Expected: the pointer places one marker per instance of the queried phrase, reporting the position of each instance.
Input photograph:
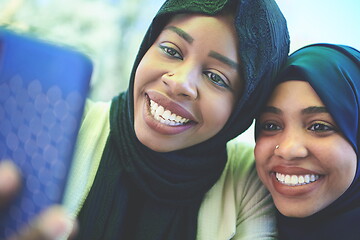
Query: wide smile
(292, 181)
(296, 180)
(165, 116)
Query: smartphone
(43, 87)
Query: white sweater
(236, 207)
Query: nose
(182, 84)
(291, 146)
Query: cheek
(341, 160)
(264, 148)
(263, 152)
(138, 83)
(261, 155)
(141, 75)
(216, 110)
(148, 69)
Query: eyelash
(213, 77)
(270, 127)
(171, 52)
(317, 127)
(320, 127)
(216, 79)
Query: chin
(158, 148)
(155, 145)
(296, 212)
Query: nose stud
(277, 146)
(170, 74)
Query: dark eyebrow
(314, 109)
(270, 109)
(181, 33)
(308, 110)
(224, 59)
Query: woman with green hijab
(206, 64)
(154, 163)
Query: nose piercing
(170, 74)
(277, 146)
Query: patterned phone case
(42, 93)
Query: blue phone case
(43, 88)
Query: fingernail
(56, 223)
(9, 177)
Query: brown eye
(215, 78)
(171, 52)
(270, 127)
(320, 127)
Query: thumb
(52, 224)
(10, 181)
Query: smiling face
(313, 164)
(187, 83)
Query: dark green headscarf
(142, 194)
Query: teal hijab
(333, 71)
(142, 194)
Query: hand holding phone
(43, 88)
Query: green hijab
(142, 194)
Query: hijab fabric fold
(334, 73)
(142, 194)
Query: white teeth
(287, 179)
(165, 116)
(312, 178)
(296, 180)
(172, 117)
(301, 179)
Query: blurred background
(110, 31)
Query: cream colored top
(236, 207)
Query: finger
(74, 230)
(50, 225)
(10, 181)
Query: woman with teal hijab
(326, 205)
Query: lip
(171, 106)
(293, 170)
(294, 191)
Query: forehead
(199, 24)
(294, 93)
(213, 35)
